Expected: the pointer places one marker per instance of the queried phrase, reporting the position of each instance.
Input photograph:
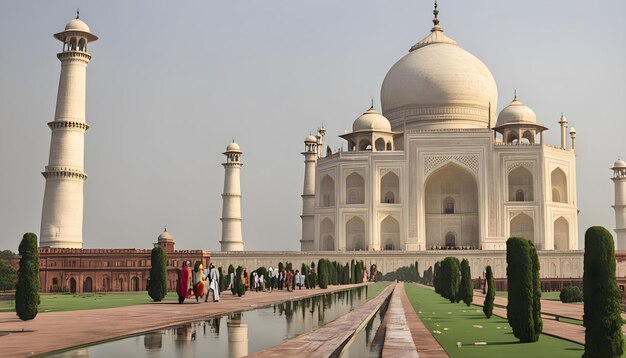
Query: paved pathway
(327, 340)
(427, 346)
(58, 330)
(398, 338)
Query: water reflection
(234, 335)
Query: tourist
(270, 279)
(184, 283)
(246, 279)
(289, 280)
(199, 281)
(298, 283)
(233, 288)
(261, 283)
(214, 285)
(281, 279)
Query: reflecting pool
(232, 335)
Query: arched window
(559, 186)
(134, 284)
(380, 144)
(327, 192)
(365, 144)
(72, 285)
(355, 189)
(82, 45)
(327, 235)
(529, 137)
(390, 233)
(448, 205)
(73, 44)
(355, 235)
(520, 179)
(388, 145)
(88, 285)
(522, 225)
(561, 234)
(450, 240)
(55, 281)
(511, 138)
(390, 188)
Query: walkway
(59, 330)
(329, 339)
(398, 338)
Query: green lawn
(375, 288)
(60, 302)
(459, 323)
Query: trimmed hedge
(157, 281)
(27, 287)
(571, 294)
(491, 293)
(466, 288)
(602, 320)
(450, 278)
(521, 302)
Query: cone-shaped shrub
(157, 282)
(466, 288)
(519, 272)
(27, 287)
(491, 293)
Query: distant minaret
(62, 214)
(231, 200)
(619, 181)
(308, 194)
(563, 123)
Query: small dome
(310, 139)
(516, 113)
(165, 236)
(619, 164)
(233, 147)
(77, 25)
(371, 121)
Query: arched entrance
(72, 285)
(561, 234)
(355, 234)
(522, 225)
(327, 235)
(134, 284)
(451, 206)
(390, 233)
(88, 285)
(450, 240)
(106, 284)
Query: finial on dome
(165, 230)
(515, 94)
(436, 19)
(372, 105)
(77, 13)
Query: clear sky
(171, 83)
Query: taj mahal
(439, 169)
(436, 169)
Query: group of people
(285, 279)
(194, 282)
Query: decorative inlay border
(514, 165)
(433, 162)
(52, 172)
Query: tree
(450, 278)
(466, 288)
(520, 277)
(437, 277)
(223, 284)
(7, 255)
(8, 276)
(27, 287)
(491, 293)
(322, 271)
(602, 321)
(240, 285)
(537, 320)
(157, 281)
(571, 294)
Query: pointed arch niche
(355, 189)
(327, 191)
(390, 234)
(558, 179)
(390, 188)
(520, 185)
(561, 234)
(522, 225)
(451, 184)
(327, 235)
(355, 234)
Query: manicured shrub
(322, 272)
(437, 277)
(450, 278)
(8, 276)
(223, 284)
(571, 294)
(466, 288)
(27, 287)
(240, 284)
(536, 281)
(520, 277)
(602, 320)
(157, 282)
(491, 293)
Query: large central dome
(439, 85)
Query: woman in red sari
(184, 282)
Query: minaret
(231, 200)
(619, 181)
(62, 214)
(563, 123)
(308, 194)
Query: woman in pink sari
(184, 282)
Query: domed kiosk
(436, 171)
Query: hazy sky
(171, 83)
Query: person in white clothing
(215, 284)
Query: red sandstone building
(109, 270)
